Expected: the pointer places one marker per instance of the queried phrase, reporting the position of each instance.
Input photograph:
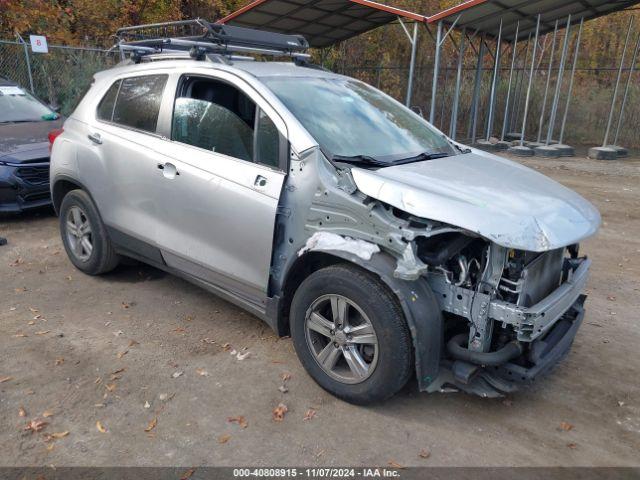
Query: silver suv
(332, 212)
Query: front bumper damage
(23, 186)
(545, 332)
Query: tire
(387, 365)
(101, 258)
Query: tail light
(53, 134)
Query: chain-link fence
(59, 77)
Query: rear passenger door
(124, 138)
(220, 191)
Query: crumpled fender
(421, 310)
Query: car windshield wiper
(421, 157)
(359, 159)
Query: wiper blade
(359, 159)
(421, 157)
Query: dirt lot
(62, 334)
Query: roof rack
(199, 37)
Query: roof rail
(200, 37)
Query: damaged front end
(487, 312)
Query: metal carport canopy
(321, 22)
(485, 15)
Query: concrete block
(547, 151)
(603, 153)
(521, 151)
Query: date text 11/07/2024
(316, 472)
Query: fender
(421, 310)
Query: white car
(326, 208)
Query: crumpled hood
(21, 142)
(498, 199)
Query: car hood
(21, 142)
(498, 199)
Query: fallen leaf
(125, 305)
(226, 346)
(242, 356)
(285, 376)
(118, 333)
(36, 425)
(31, 322)
(55, 436)
(59, 361)
(283, 389)
(240, 420)
(34, 310)
(5, 379)
(147, 405)
(110, 386)
(50, 447)
(133, 343)
(43, 332)
(279, 412)
(97, 380)
(120, 370)
(186, 475)
(179, 330)
(22, 412)
(224, 439)
(20, 335)
(424, 453)
(122, 354)
(571, 445)
(310, 414)
(566, 426)
(177, 374)
(611, 298)
(47, 414)
(394, 464)
(152, 425)
(100, 427)
(202, 372)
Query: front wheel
(84, 235)
(350, 334)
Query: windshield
(349, 118)
(16, 105)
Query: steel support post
(626, 90)
(456, 98)
(548, 83)
(476, 92)
(573, 75)
(615, 90)
(556, 97)
(515, 109)
(494, 83)
(514, 47)
(533, 64)
(412, 64)
(436, 67)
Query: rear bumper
(24, 186)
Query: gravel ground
(148, 359)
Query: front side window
(349, 118)
(137, 104)
(220, 118)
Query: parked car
(334, 213)
(25, 123)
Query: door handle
(95, 138)
(260, 182)
(169, 170)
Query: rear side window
(138, 102)
(105, 108)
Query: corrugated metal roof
(485, 15)
(321, 22)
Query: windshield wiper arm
(421, 157)
(359, 159)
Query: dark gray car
(25, 123)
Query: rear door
(124, 140)
(221, 187)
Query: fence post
(26, 57)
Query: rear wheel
(350, 334)
(84, 236)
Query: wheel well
(60, 189)
(301, 269)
